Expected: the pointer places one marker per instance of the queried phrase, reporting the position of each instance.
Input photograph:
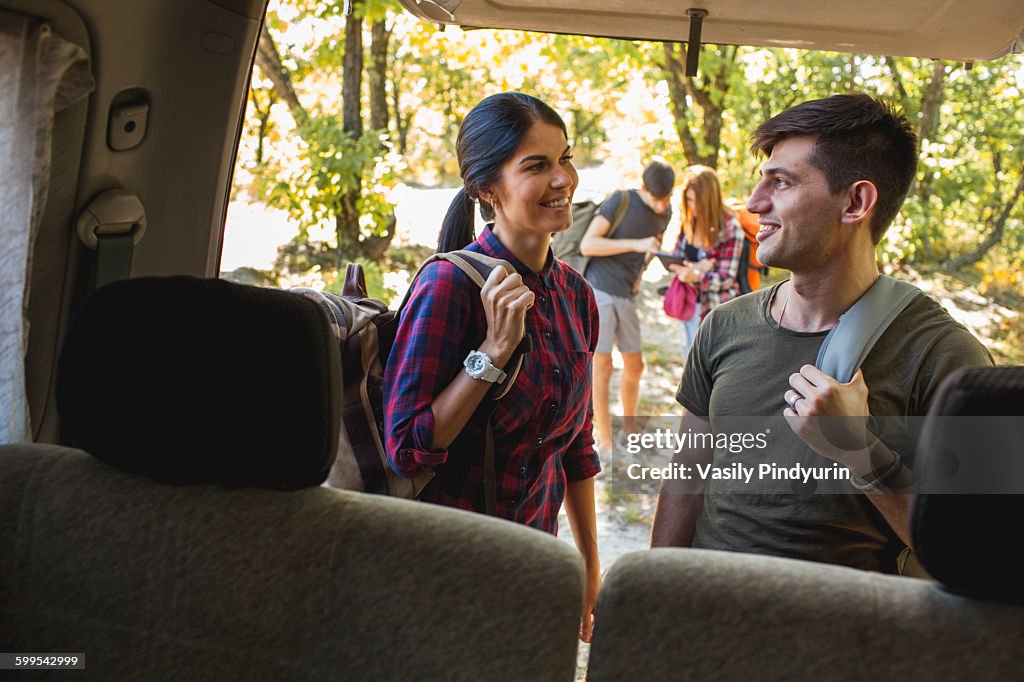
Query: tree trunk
(402, 122)
(927, 125)
(374, 246)
(352, 74)
(347, 215)
(377, 76)
(677, 95)
(710, 98)
(264, 118)
(931, 103)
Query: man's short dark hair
(659, 178)
(858, 137)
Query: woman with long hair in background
(711, 242)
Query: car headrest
(190, 380)
(964, 540)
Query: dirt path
(624, 520)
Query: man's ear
(862, 198)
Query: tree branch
(268, 59)
(994, 237)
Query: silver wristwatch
(479, 366)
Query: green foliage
(334, 164)
(616, 98)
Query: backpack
(566, 245)
(751, 269)
(365, 329)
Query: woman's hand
(506, 299)
(705, 265)
(686, 273)
(590, 591)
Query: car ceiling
(967, 30)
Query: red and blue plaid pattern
(542, 427)
(722, 282)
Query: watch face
(475, 363)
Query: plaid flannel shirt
(722, 282)
(542, 428)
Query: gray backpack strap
(860, 327)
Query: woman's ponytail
(457, 229)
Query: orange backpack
(751, 269)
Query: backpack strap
(859, 328)
(355, 282)
(478, 268)
(620, 211)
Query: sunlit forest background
(342, 110)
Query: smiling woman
(513, 158)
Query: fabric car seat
(693, 614)
(182, 531)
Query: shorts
(620, 324)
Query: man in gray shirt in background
(614, 272)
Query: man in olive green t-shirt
(837, 172)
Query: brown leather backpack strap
(355, 282)
(478, 268)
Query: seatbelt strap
(859, 328)
(113, 257)
(112, 224)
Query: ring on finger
(794, 399)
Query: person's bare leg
(602, 415)
(629, 391)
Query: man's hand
(831, 417)
(647, 245)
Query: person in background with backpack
(751, 269)
(616, 264)
(836, 173)
(711, 240)
(454, 340)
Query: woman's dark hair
(489, 135)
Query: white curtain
(40, 74)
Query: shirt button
(540, 441)
(557, 372)
(547, 335)
(405, 455)
(543, 300)
(554, 405)
(522, 470)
